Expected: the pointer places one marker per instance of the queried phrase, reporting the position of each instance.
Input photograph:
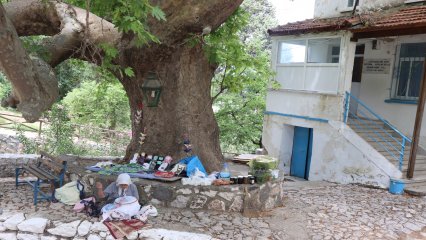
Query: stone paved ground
(323, 211)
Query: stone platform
(251, 200)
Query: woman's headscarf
(123, 178)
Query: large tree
(183, 69)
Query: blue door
(302, 152)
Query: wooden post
(417, 125)
(39, 129)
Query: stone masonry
(251, 200)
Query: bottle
(224, 173)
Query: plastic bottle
(224, 173)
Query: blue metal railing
(384, 134)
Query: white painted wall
(335, 8)
(286, 149)
(305, 104)
(375, 88)
(338, 153)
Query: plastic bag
(197, 173)
(192, 163)
(197, 181)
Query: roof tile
(391, 19)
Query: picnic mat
(132, 170)
(153, 177)
(117, 169)
(123, 228)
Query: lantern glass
(151, 89)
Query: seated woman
(123, 186)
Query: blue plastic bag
(192, 163)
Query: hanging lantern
(151, 89)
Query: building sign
(376, 66)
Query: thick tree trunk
(184, 108)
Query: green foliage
(129, 16)
(56, 139)
(30, 146)
(33, 44)
(102, 105)
(72, 72)
(5, 87)
(59, 134)
(110, 53)
(240, 48)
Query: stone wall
(8, 163)
(9, 144)
(76, 165)
(251, 200)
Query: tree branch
(221, 86)
(34, 84)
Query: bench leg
(61, 179)
(17, 172)
(36, 189)
(52, 198)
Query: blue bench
(48, 170)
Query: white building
(350, 80)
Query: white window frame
(395, 78)
(346, 7)
(306, 64)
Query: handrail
(378, 133)
(377, 116)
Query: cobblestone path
(320, 212)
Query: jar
(252, 179)
(240, 179)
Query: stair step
(368, 125)
(419, 190)
(416, 168)
(368, 129)
(405, 163)
(419, 173)
(414, 180)
(406, 156)
(391, 149)
(381, 137)
(415, 184)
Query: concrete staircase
(381, 137)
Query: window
(321, 50)
(351, 3)
(409, 71)
(292, 51)
(324, 50)
(309, 64)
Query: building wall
(313, 104)
(338, 153)
(375, 88)
(334, 8)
